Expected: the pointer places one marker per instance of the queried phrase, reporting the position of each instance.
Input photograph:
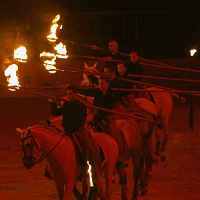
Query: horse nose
(28, 164)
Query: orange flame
(192, 52)
(11, 74)
(52, 36)
(20, 54)
(90, 173)
(61, 50)
(49, 63)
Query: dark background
(158, 29)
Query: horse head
(93, 69)
(28, 145)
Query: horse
(63, 166)
(139, 135)
(164, 107)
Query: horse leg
(137, 163)
(76, 192)
(68, 189)
(123, 179)
(164, 140)
(157, 148)
(60, 189)
(145, 174)
(99, 184)
(108, 170)
(85, 187)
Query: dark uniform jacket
(134, 68)
(74, 115)
(104, 101)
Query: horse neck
(45, 138)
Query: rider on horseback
(105, 98)
(74, 115)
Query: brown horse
(63, 166)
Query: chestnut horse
(60, 153)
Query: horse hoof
(144, 191)
(163, 158)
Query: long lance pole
(152, 85)
(62, 87)
(87, 104)
(171, 67)
(165, 78)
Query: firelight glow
(50, 61)
(11, 74)
(192, 52)
(52, 36)
(90, 173)
(20, 54)
(61, 50)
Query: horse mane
(49, 128)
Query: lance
(152, 85)
(62, 87)
(171, 67)
(52, 97)
(164, 78)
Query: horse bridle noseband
(33, 142)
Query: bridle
(33, 144)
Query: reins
(42, 157)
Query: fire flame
(192, 52)
(20, 54)
(52, 36)
(61, 50)
(50, 61)
(90, 173)
(11, 74)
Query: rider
(74, 115)
(105, 98)
(128, 96)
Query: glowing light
(20, 54)
(61, 50)
(192, 52)
(49, 62)
(11, 74)
(90, 173)
(52, 36)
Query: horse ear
(19, 130)
(86, 65)
(94, 66)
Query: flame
(61, 50)
(20, 54)
(11, 74)
(52, 36)
(192, 52)
(90, 173)
(50, 61)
